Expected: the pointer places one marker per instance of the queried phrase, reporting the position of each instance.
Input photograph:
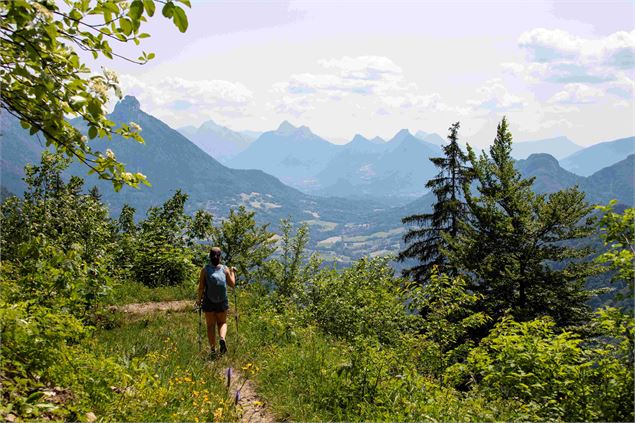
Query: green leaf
(92, 132)
(136, 9)
(35, 396)
(180, 19)
(186, 2)
(149, 6)
(94, 108)
(168, 10)
(126, 26)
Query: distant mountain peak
(545, 159)
(359, 138)
(402, 133)
(285, 126)
(127, 105)
(210, 124)
(378, 140)
(304, 131)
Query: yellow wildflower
(218, 414)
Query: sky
(564, 68)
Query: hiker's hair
(214, 251)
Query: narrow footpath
(253, 408)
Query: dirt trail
(145, 308)
(253, 407)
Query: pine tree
(426, 241)
(514, 245)
(126, 223)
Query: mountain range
(342, 228)
(591, 159)
(173, 162)
(294, 155)
(218, 141)
(361, 168)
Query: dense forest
(489, 321)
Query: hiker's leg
(221, 321)
(210, 320)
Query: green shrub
(557, 373)
(363, 300)
(158, 263)
(446, 321)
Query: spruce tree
(426, 238)
(515, 247)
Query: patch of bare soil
(254, 409)
(145, 308)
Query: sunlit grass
(135, 292)
(182, 384)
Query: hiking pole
(236, 303)
(200, 324)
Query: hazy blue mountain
(558, 147)
(613, 182)
(216, 140)
(172, 162)
(431, 137)
(294, 155)
(17, 148)
(361, 144)
(550, 177)
(189, 131)
(591, 159)
(250, 135)
(397, 168)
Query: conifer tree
(514, 245)
(126, 223)
(426, 240)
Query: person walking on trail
(212, 297)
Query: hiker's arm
(231, 276)
(201, 286)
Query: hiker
(212, 297)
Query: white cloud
(363, 75)
(558, 56)
(553, 45)
(409, 100)
(494, 97)
(576, 94)
(376, 78)
(363, 67)
(200, 100)
(623, 87)
(295, 106)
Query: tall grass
(172, 380)
(135, 292)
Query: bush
(557, 373)
(363, 300)
(158, 263)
